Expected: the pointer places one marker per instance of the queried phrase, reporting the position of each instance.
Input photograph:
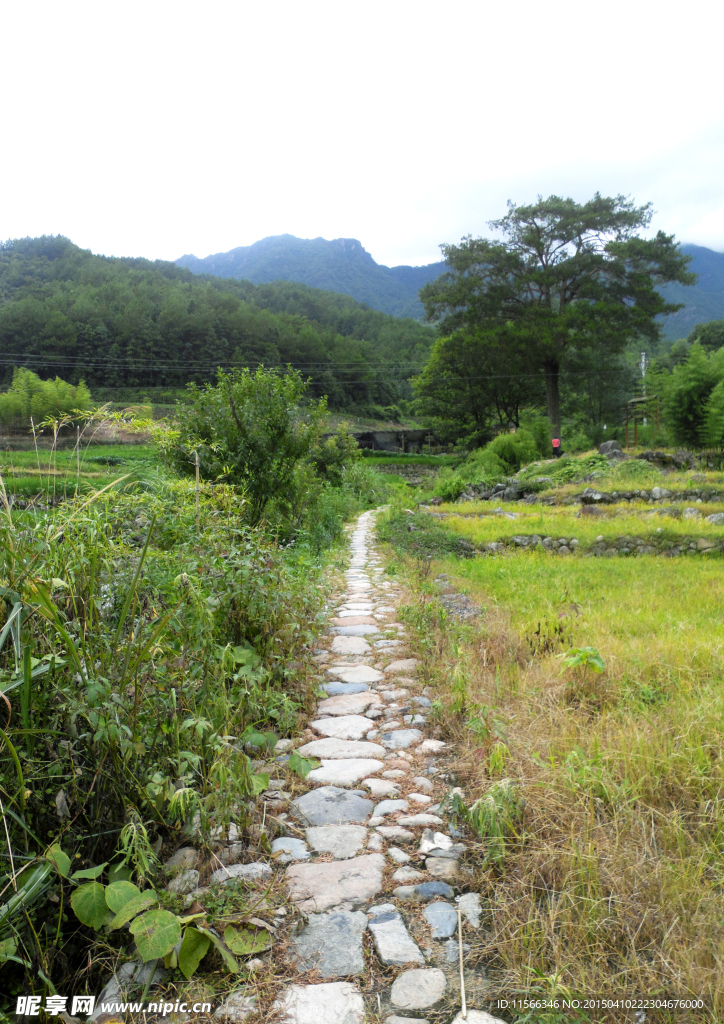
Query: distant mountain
(340, 265)
(702, 302)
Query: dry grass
(612, 882)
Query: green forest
(120, 323)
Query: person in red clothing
(557, 452)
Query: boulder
(608, 447)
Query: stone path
(377, 857)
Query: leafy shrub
(514, 450)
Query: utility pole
(642, 367)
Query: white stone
(381, 787)
(249, 872)
(350, 645)
(421, 819)
(393, 942)
(344, 727)
(375, 843)
(390, 807)
(470, 907)
(290, 849)
(423, 784)
(335, 1002)
(416, 989)
(349, 703)
(400, 835)
(334, 748)
(431, 747)
(402, 665)
(401, 738)
(342, 841)
(399, 856)
(419, 798)
(407, 874)
(355, 673)
(318, 887)
(345, 772)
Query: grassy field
(611, 880)
(28, 474)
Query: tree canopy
(563, 278)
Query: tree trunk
(553, 397)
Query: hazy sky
(161, 128)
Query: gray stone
(375, 843)
(407, 874)
(609, 446)
(332, 944)
(390, 806)
(431, 747)
(290, 849)
(421, 819)
(424, 891)
(404, 665)
(398, 856)
(349, 703)
(416, 989)
(347, 772)
(400, 739)
(343, 727)
(469, 904)
(419, 798)
(332, 806)
(186, 857)
(336, 1002)
(184, 882)
(393, 942)
(335, 688)
(423, 784)
(442, 918)
(334, 748)
(716, 519)
(355, 630)
(381, 787)
(400, 835)
(247, 872)
(394, 1019)
(317, 887)
(236, 1007)
(342, 841)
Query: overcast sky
(159, 128)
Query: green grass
(386, 459)
(27, 473)
(616, 871)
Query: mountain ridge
(343, 265)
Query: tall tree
(566, 276)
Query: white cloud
(160, 128)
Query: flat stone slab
(424, 891)
(403, 665)
(442, 918)
(343, 727)
(336, 1002)
(332, 806)
(353, 620)
(396, 832)
(390, 806)
(416, 989)
(318, 887)
(349, 703)
(355, 673)
(470, 907)
(248, 872)
(335, 688)
(353, 611)
(393, 942)
(290, 849)
(342, 841)
(400, 739)
(350, 645)
(332, 944)
(419, 819)
(355, 630)
(346, 772)
(334, 748)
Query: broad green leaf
(301, 765)
(90, 872)
(156, 933)
(60, 859)
(259, 783)
(89, 903)
(119, 893)
(8, 948)
(246, 940)
(231, 964)
(193, 950)
(119, 872)
(135, 906)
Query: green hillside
(129, 323)
(339, 265)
